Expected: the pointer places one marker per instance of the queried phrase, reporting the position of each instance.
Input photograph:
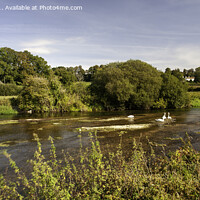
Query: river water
(16, 132)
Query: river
(16, 132)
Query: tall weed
(107, 176)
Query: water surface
(16, 132)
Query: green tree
(66, 76)
(90, 73)
(174, 91)
(36, 95)
(168, 70)
(197, 75)
(146, 81)
(126, 85)
(191, 72)
(16, 66)
(79, 73)
(178, 74)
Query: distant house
(189, 78)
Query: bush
(9, 89)
(8, 105)
(194, 99)
(35, 95)
(98, 176)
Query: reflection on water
(16, 132)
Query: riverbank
(108, 176)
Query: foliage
(174, 91)
(112, 176)
(66, 75)
(82, 90)
(42, 95)
(188, 73)
(35, 95)
(79, 73)
(126, 85)
(7, 110)
(9, 89)
(177, 73)
(8, 105)
(89, 75)
(197, 75)
(147, 82)
(194, 99)
(160, 104)
(16, 66)
(116, 86)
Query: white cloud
(38, 43)
(39, 46)
(39, 50)
(189, 55)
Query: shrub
(99, 176)
(194, 99)
(9, 89)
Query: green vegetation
(137, 85)
(194, 99)
(9, 89)
(116, 86)
(174, 91)
(7, 105)
(16, 66)
(110, 176)
(7, 110)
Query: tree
(197, 75)
(147, 82)
(66, 76)
(90, 73)
(178, 74)
(36, 95)
(126, 85)
(79, 73)
(168, 70)
(19, 65)
(174, 91)
(111, 88)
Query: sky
(162, 33)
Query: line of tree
(116, 86)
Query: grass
(194, 99)
(7, 97)
(111, 176)
(7, 110)
(6, 105)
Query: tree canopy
(126, 85)
(116, 86)
(16, 66)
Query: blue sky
(162, 33)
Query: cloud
(75, 40)
(38, 43)
(189, 55)
(40, 50)
(39, 46)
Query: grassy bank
(6, 105)
(194, 99)
(111, 176)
